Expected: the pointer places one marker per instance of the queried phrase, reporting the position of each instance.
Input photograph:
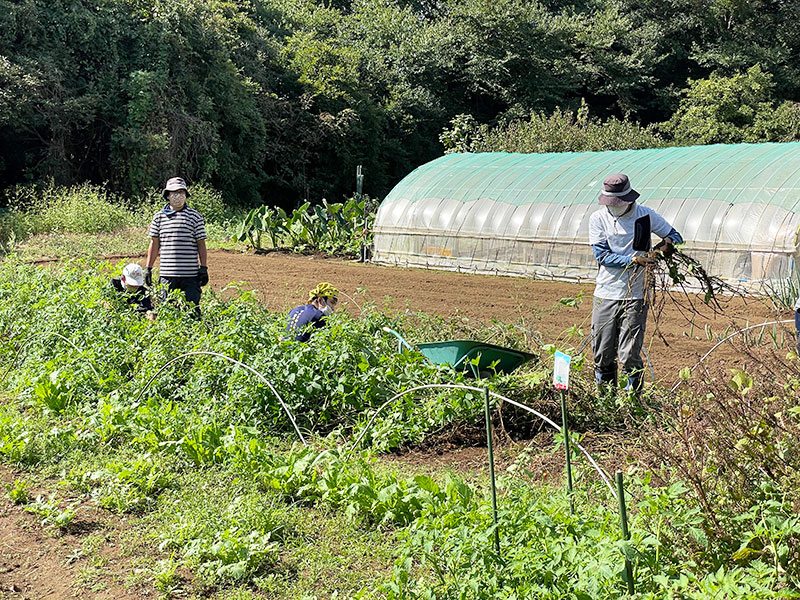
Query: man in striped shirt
(178, 234)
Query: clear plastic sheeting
(737, 207)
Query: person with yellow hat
(303, 319)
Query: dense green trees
(741, 108)
(277, 100)
(562, 131)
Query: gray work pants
(618, 330)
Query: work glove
(643, 260)
(202, 276)
(148, 276)
(666, 247)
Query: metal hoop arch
(236, 362)
(603, 475)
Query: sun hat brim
(175, 184)
(608, 200)
(132, 281)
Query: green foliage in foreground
(445, 529)
(64, 325)
(203, 416)
(546, 552)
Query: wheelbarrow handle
(402, 342)
(466, 358)
(478, 350)
(467, 355)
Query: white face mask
(326, 310)
(177, 201)
(618, 211)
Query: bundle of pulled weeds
(677, 277)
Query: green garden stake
(623, 522)
(491, 473)
(565, 433)
(561, 364)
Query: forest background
(276, 101)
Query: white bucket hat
(175, 184)
(133, 275)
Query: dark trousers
(618, 332)
(190, 287)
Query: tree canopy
(279, 100)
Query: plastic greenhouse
(737, 207)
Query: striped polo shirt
(178, 233)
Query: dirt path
(36, 563)
(283, 280)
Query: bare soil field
(83, 562)
(283, 280)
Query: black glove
(202, 276)
(148, 276)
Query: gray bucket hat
(617, 191)
(175, 184)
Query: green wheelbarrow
(459, 354)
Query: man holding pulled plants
(178, 235)
(620, 237)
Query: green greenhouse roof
(767, 173)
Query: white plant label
(561, 371)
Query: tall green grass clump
(782, 293)
(92, 209)
(12, 228)
(83, 208)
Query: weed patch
(228, 501)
